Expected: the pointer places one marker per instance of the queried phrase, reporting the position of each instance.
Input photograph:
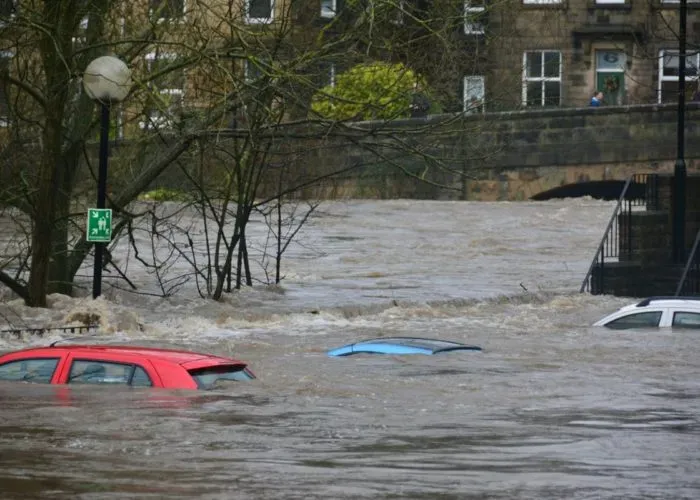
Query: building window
(8, 9)
(259, 11)
(328, 8)
(167, 92)
(253, 71)
(541, 2)
(328, 75)
(397, 17)
(542, 78)
(5, 61)
(80, 40)
(611, 2)
(474, 11)
(166, 10)
(668, 75)
(474, 94)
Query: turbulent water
(551, 409)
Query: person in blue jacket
(597, 99)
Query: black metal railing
(689, 283)
(639, 189)
(18, 333)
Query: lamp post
(679, 170)
(106, 80)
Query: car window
(636, 320)
(140, 378)
(208, 378)
(106, 372)
(29, 370)
(686, 319)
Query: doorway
(610, 76)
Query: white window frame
(156, 118)
(331, 75)
(180, 18)
(542, 2)
(466, 86)
(470, 8)
(610, 2)
(330, 13)
(688, 78)
(259, 20)
(542, 78)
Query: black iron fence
(616, 244)
(18, 333)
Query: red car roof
(173, 355)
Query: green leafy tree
(371, 91)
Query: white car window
(636, 320)
(685, 319)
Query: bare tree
(222, 102)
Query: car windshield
(208, 378)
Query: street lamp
(679, 170)
(106, 80)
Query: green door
(612, 84)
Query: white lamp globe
(107, 79)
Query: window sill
(540, 6)
(658, 4)
(594, 5)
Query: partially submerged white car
(676, 312)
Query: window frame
(330, 75)
(177, 18)
(542, 79)
(259, 20)
(541, 3)
(465, 87)
(469, 8)
(6, 55)
(398, 17)
(662, 78)
(152, 121)
(333, 10)
(14, 7)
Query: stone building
(559, 52)
(508, 54)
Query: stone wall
(515, 155)
(495, 156)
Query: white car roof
(654, 303)
(685, 302)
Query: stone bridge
(547, 153)
(513, 155)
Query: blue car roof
(401, 345)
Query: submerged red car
(123, 365)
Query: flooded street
(551, 409)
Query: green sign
(99, 224)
